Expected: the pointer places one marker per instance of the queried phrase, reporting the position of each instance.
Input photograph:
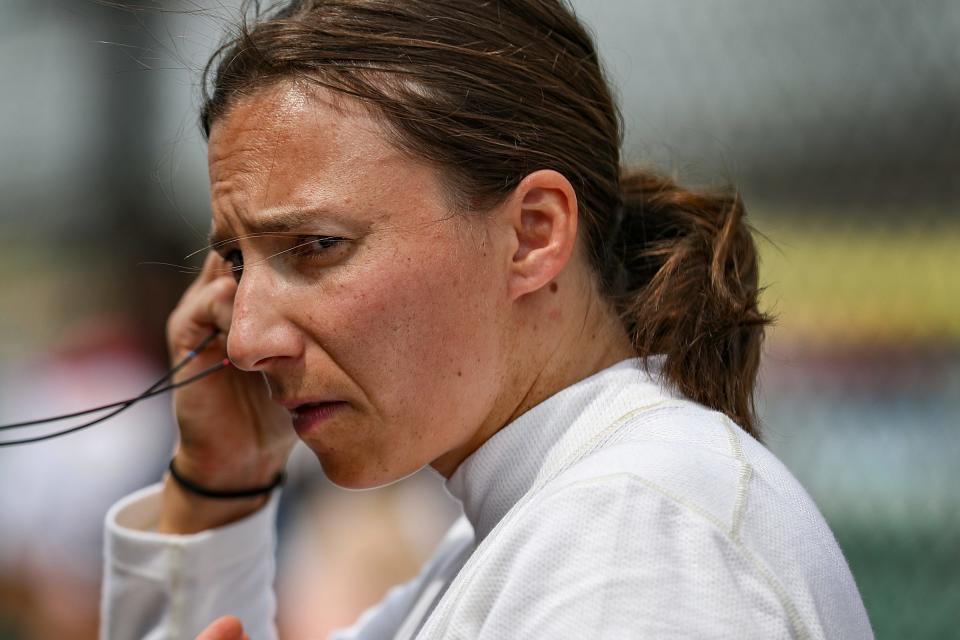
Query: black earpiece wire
(156, 388)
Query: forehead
(293, 124)
(290, 146)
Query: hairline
(453, 194)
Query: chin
(357, 476)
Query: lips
(309, 415)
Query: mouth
(310, 415)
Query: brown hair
(492, 91)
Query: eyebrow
(273, 221)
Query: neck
(588, 346)
(587, 339)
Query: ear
(542, 214)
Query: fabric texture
(613, 509)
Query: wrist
(184, 511)
(225, 494)
(228, 472)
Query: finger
(214, 266)
(219, 303)
(199, 311)
(225, 628)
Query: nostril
(259, 364)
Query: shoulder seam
(743, 482)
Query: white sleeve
(167, 586)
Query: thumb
(225, 628)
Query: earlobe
(543, 215)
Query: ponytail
(687, 289)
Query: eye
(313, 247)
(235, 260)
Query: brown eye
(235, 259)
(313, 247)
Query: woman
(426, 253)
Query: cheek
(421, 337)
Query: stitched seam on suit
(743, 482)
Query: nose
(261, 335)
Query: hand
(225, 628)
(232, 435)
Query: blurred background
(838, 121)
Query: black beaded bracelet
(226, 495)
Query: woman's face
(390, 304)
